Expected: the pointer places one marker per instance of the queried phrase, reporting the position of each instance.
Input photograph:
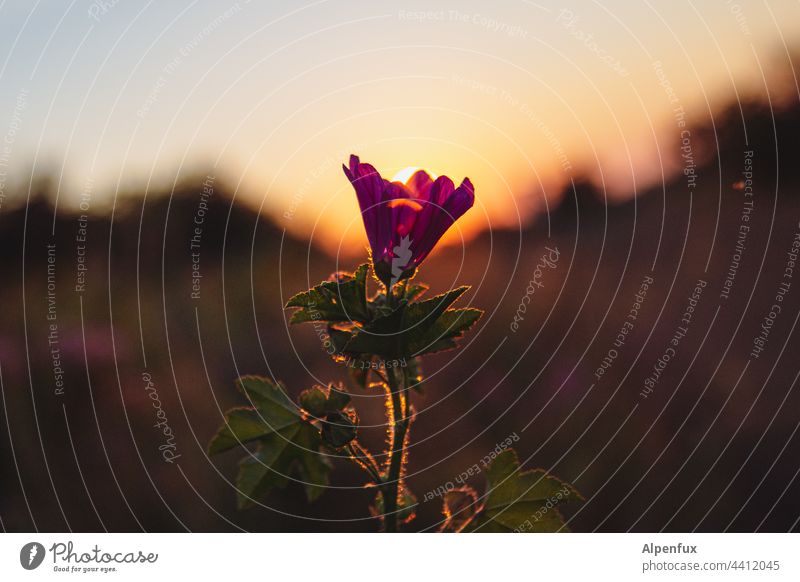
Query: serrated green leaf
(318, 401)
(264, 393)
(379, 337)
(258, 473)
(451, 325)
(287, 442)
(425, 313)
(243, 425)
(343, 300)
(339, 339)
(415, 291)
(313, 401)
(413, 329)
(525, 501)
(277, 456)
(272, 411)
(313, 465)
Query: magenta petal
(442, 188)
(429, 230)
(420, 185)
(460, 200)
(424, 236)
(368, 185)
(403, 210)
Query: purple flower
(405, 221)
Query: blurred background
(171, 174)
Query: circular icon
(31, 555)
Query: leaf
(342, 300)
(338, 429)
(242, 425)
(318, 401)
(379, 337)
(425, 313)
(459, 507)
(339, 338)
(264, 393)
(314, 466)
(272, 412)
(415, 291)
(274, 460)
(257, 474)
(414, 329)
(384, 274)
(314, 401)
(451, 325)
(523, 501)
(287, 442)
(330, 407)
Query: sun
(405, 174)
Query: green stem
(399, 427)
(364, 460)
(375, 470)
(390, 298)
(407, 392)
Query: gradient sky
(272, 97)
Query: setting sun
(406, 173)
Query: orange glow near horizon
(277, 98)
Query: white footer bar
(386, 558)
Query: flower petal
(446, 206)
(368, 185)
(402, 209)
(442, 188)
(460, 200)
(420, 185)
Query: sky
(114, 96)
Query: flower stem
(364, 460)
(407, 400)
(390, 298)
(399, 428)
